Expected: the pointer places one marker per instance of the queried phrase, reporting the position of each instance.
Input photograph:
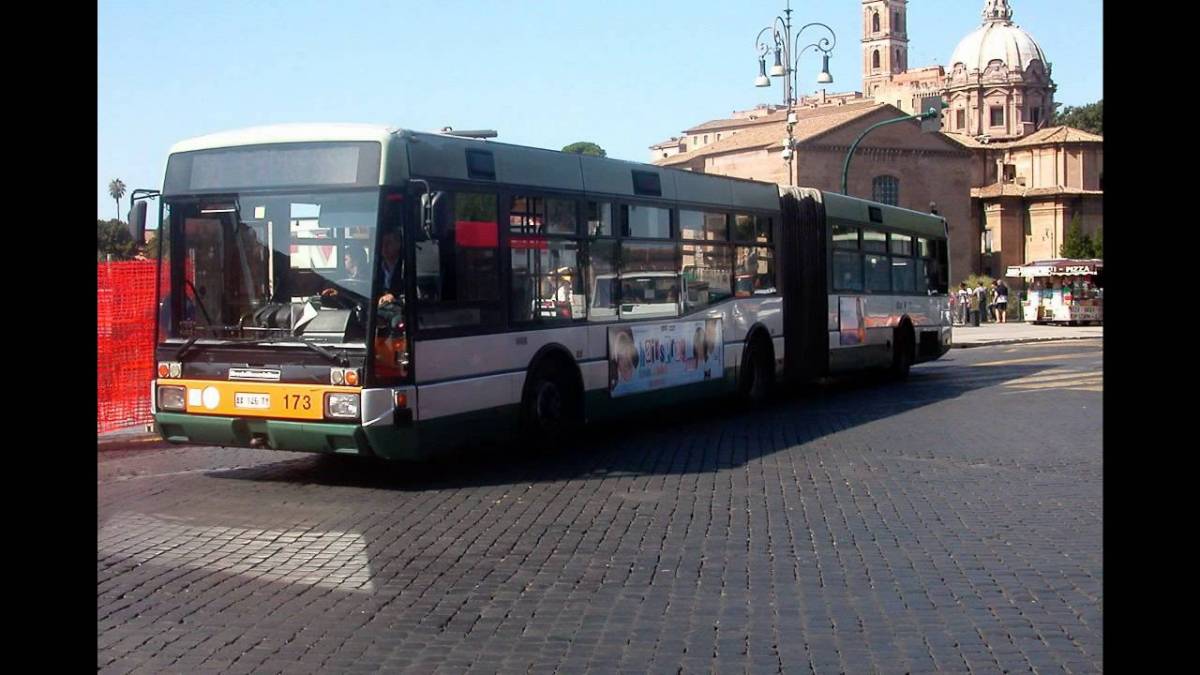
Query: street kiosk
(1066, 291)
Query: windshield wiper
(183, 350)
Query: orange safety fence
(124, 342)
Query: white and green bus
(383, 292)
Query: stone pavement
(1016, 332)
(950, 523)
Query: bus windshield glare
(271, 266)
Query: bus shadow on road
(700, 437)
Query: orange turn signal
(352, 377)
(401, 400)
(163, 370)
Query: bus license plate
(252, 401)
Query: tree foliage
(1089, 118)
(113, 238)
(1076, 244)
(585, 148)
(1098, 244)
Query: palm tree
(116, 188)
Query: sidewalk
(124, 439)
(1011, 333)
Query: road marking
(1056, 374)
(328, 558)
(1061, 384)
(1035, 359)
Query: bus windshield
(271, 266)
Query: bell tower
(885, 42)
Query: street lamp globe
(762, 80)
(777, 70)
(824, 77)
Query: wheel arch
(557, 354)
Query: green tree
(585, 148)
(1089, 118)
(1076, 244)
(116, 188)
(974, 280)
(1098, 244)
(113, 238)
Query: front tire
(550, 410)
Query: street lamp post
(787, 58)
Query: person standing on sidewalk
(980, 293)
(964, 299)
(1001, 301)
(973, 300)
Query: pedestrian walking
(974, 299)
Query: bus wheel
(550, 409)
(754, 385)
(902, 351)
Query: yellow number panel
(257, 399)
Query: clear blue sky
(622, 73)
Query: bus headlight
(341, 405)
(171, 398)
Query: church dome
(998, 39)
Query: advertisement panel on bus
(645, 357)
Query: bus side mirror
(427, 214)
(137, 222)
(429, 202)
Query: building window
(897, 23)
(997, 116)
(960, 118)
(1010, 173)
(886, 190)
(875, 58)
(985, 241)
(1036, 116)
(875, 22)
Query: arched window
(897, 65)
(886, 190)
(897, 27)
(875, 22)
(875, 59)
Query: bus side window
(457, 270)
(546, 280)
(603, 289)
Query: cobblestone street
(948, 523)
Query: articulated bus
(387, 293)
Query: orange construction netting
(124, 343)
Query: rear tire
(758, 374)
